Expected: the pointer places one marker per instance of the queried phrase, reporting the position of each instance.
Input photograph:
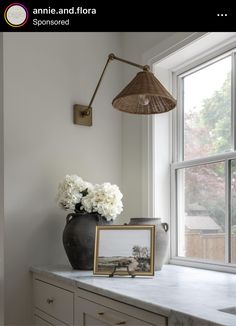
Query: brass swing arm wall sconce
(143, 95)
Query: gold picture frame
(124, 249)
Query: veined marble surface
(188, 296)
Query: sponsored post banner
(49, 16)
(88, 15)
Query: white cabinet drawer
(95, 310)
(41, 319)
(40, 322)
(89, 313)
(55, 301)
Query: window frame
(179, 163)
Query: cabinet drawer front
(54, 301)
(40, 322)
(90, 314)
(41, 318)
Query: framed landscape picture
(124, 249)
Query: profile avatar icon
(16, 15)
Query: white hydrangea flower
(104, 199)
(71, 190)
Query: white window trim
(166, 59)
(152, 56)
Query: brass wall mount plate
(82, 115)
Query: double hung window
(204, 167)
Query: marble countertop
(188, 296)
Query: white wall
(1, 188)
(44, 75)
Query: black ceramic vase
(79, 238)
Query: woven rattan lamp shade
(144, 95)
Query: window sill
(206, 265)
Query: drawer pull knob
(121, 322)
(50, 300)
(100, 313)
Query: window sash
(226, 158)
(179, 163)
(178, 118)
